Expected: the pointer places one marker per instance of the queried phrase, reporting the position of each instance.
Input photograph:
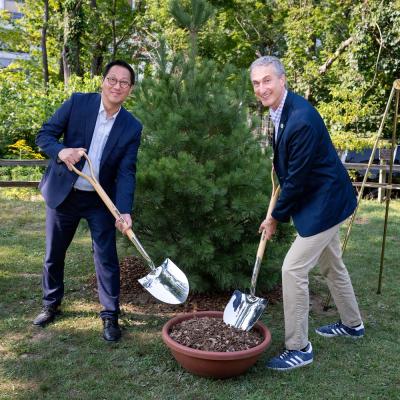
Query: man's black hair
(120, 63)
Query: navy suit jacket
(72, 125)
(316, 191)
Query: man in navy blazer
(317, 194)
(97, 124)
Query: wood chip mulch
(205, 333)
(212, 334)
(132, 268)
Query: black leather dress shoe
(46, 316)
(111, 329)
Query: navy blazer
(316, 191)
(74, 122)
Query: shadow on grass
(40, 362)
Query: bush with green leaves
(25, 105)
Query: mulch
(206, 333)
(132, 292)
(212, 334)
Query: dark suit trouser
(61, 225)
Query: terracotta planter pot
(213, 364)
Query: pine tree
(203, 182)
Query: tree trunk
(97, 61)
(97, 51)
(45, 64)
(72, 45)
(65, 55)
(61, 68)
(114, 29)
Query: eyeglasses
(113, 81)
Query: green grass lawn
(70, 360)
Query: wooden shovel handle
(263, 240)
(113, 209)
(93, 181)
(271, 206)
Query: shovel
(244, 310)
(166, 283)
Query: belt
(83, 191)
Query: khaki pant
(304, 254)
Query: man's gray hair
(269, 60)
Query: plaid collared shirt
(276, 115)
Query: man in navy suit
(98, 124)
(316, 193)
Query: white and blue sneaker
(340, 329)
(291, 359)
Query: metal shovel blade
(167, 283)
(244, 310)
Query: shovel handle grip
(100, 191)
(90, 178)
(113, 209)
(263, 240)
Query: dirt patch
(132, 293)
(30, 356)
(393, 239)
(26, 275)
(212, 334)
(41, 336)
(361, 221)
(317, 304)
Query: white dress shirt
(101, 132)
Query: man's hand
(269, 226)
(123, 226)
(70, 156)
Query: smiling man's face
(115, 95)
(268, 87)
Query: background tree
(360, 81)
(341, 55)
(243, 30)
(99, 47)
(73, 27)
